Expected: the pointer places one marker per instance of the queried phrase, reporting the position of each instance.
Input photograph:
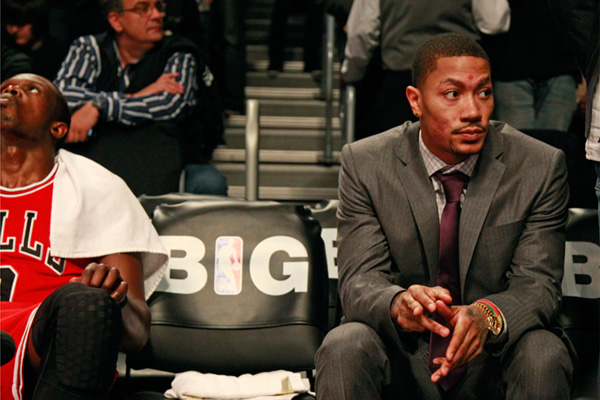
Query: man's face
(21, 34)
(140, 21)
(26, 105)
(455, 102)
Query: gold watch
(493, 323)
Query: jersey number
(8, 278)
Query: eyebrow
(482, 82)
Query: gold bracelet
(494, 324)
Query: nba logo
(228, 265)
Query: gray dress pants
(354, 363)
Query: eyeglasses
(144, 8)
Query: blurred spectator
(26, 29)
(183, 18)
(313, 33)
(534, 73)
(391, 31)
(228, 53)
(579, 21)
(70, 19)
(133, 93)
(192, 19)
(14, 62)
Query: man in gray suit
(504, 340)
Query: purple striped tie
(448, 270)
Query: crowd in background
(537, 85)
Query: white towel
(266, 385)
(94, 214)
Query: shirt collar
(433, 164)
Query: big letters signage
(188, 273)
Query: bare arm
(121, 276)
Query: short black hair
(24, 12)
(443, 45)
(61, 109)
(61, 113)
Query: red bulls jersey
(29, 273)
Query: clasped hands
(412, 308)
(102, 276)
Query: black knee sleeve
(79, 349)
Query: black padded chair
(580, 314)
(246, 292)
(325, 212)
(149, 203)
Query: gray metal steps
(296, 175)
(260, 52)
(286, 93)
(302, 182)
(273, 156)
(293, 108)
(283, 79)
(267, 121)
(258, 30)
(292, 120)
(283, 139)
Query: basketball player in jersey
(78, 256)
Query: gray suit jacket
(512, 225)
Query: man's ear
(414, 99)
(59, 129)
(114, 19)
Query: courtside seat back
(326, 213)
(580, 314)
(150, 202)
(245, 292)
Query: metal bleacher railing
(327, 86)
(252, 149)
(252, 129)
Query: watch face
(98, 103)
(493, 326)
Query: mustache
(477, 125)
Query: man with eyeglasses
(132, 92)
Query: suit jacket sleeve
(365, 278)
(531, 299)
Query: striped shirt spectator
(78, 75)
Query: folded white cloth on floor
(266, 385)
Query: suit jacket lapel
(480, 193)
(419, 191)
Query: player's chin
(469, 148)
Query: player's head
(452, 96)
(33, 108)
(443, 45)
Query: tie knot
(453, 184)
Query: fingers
(408, 309)
(106, 278)
(426, 297)
(468, 345)
(443, 370)
(168, 83)
(120, 292)
(468, 336)
(76, 135)
(169, 75)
